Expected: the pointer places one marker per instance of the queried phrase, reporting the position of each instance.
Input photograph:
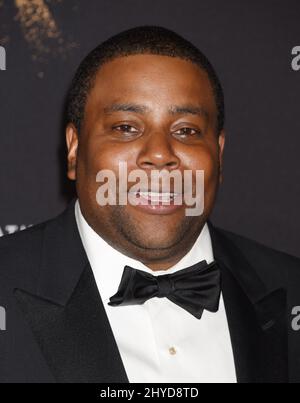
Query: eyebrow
(142, 109)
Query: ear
(221, 151)
(72, 146)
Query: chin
(155, 241)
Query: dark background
(248, 42)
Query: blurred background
(252, 46)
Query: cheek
(96, 156)
(205, 159)
(211, 171)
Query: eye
(125, 129)
(187, 132)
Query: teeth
(157, 196)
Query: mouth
(163, 197)
(156, 202)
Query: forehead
(154, 79)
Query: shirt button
(172, 350)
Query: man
(144, 292)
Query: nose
(157, 153)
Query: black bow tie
(194, 289)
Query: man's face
(152, 135)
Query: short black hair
(146, 39)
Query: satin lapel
(66, 313)
(257, 317)
(259, 347)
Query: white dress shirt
(159, 341)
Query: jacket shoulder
(269, 262)
(20, 253)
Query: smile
(156, 202)
(157, 197)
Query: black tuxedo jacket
(57, 329)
